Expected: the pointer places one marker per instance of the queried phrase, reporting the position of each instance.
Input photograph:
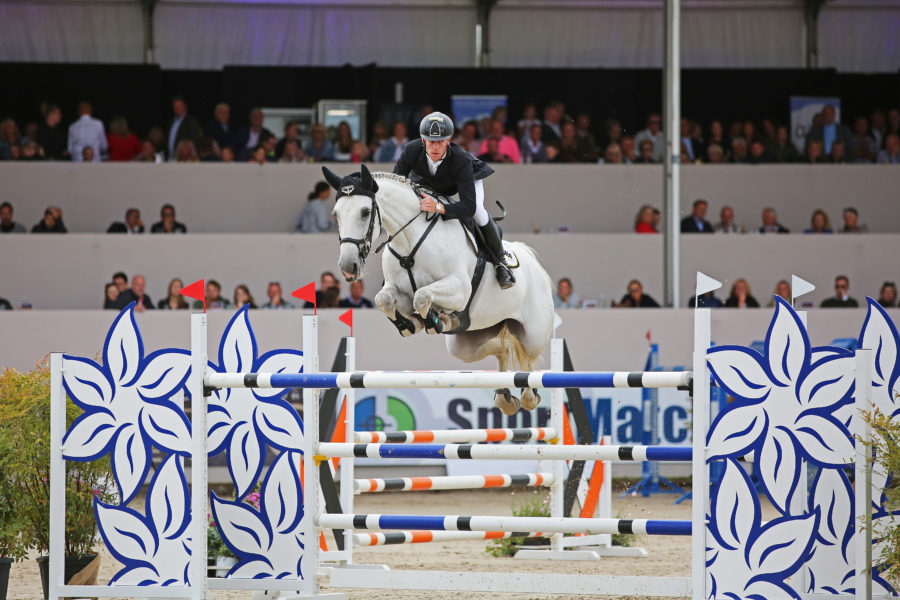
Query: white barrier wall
(253, 198)
(65, 272)
(600, 340)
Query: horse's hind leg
(471, 346)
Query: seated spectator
(467, 139)
(121, 280)
(31, 151)
(553, 116)
(214, 299)
(356, 299)
(9, 137)
(147, 153)
(715, 154)
(565, 296)
(726, 222)
(696, 222)
(533, 149)
(612, 133)
(506, 145)
(276, 301)
(7, 224)
(645, 152)
(574, 149)
(636, 298)
(186, 151)
(343, 143)
(167, 222)
(862, 144)
(739, 154)
(770, 222)
(123, 145)
(268, 143)
(694, 147)
(291, 136)
(716, 138)
(815, 153)
(206, 150)
(891, 153)
(390, 149)
(838, 153)
(629, 157)
(612, 155)
(707, 300)
(327, 281)
(135, 294)
(851, 222)
(493, 154)
(316, 216)
(583, 129)
(258, 155)
(292, 153)
(758, 154)
(748, 132)
(157, 137)
(380, 134)
(110, 294)
(173, 300)
(819, 222)
(248, 138)
(644, 220)
(50, 135)
(887, 297)
(529, 119)
(86, 132)
(243, 296)
(331, 298)
(828, 132)
(654, 134)
(219, 128)
(841, 298)
(740, 296)
(360, 152)
(769, 133)
(132, 224)
(51, 223)
(87, 154)
(782, 149)
(183, 127)
(228, 154)
(782, 289)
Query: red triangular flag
(347, 318)
(197, 291)
(308, 294)
(649, 338)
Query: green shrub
(885, 447)
(536, 503)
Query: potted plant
(25, 427)
(220, 558)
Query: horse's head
(358, 218)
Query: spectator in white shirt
(86, 131)
(653, 133)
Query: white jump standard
(452, 379)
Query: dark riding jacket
(457, 173)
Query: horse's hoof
(506, 402)
(530, 398)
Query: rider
(448, 169)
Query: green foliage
(885, 447)
(536, 503)
(25, 466)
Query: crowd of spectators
(554, 137)
(118, 294)
(739, 296)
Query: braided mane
(392, 177)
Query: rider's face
(436, 150)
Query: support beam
(672, 158)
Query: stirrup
(505, 278)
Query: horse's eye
(366, 212)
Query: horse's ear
(366, 179)
(332, 178)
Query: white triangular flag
(799, 287)
(705, 283)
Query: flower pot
(5, 564)
(74, 566)
(224, 564)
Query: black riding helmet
(436, 126)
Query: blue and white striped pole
(453, 379)
(542, 524)
(491, 451)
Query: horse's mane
(393, 177)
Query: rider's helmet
(436, 126)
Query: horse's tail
(519, 359)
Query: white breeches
(481, 215)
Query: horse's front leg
(449, 293)
(396, 306)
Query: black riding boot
(493, 237)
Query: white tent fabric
(854, 35)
